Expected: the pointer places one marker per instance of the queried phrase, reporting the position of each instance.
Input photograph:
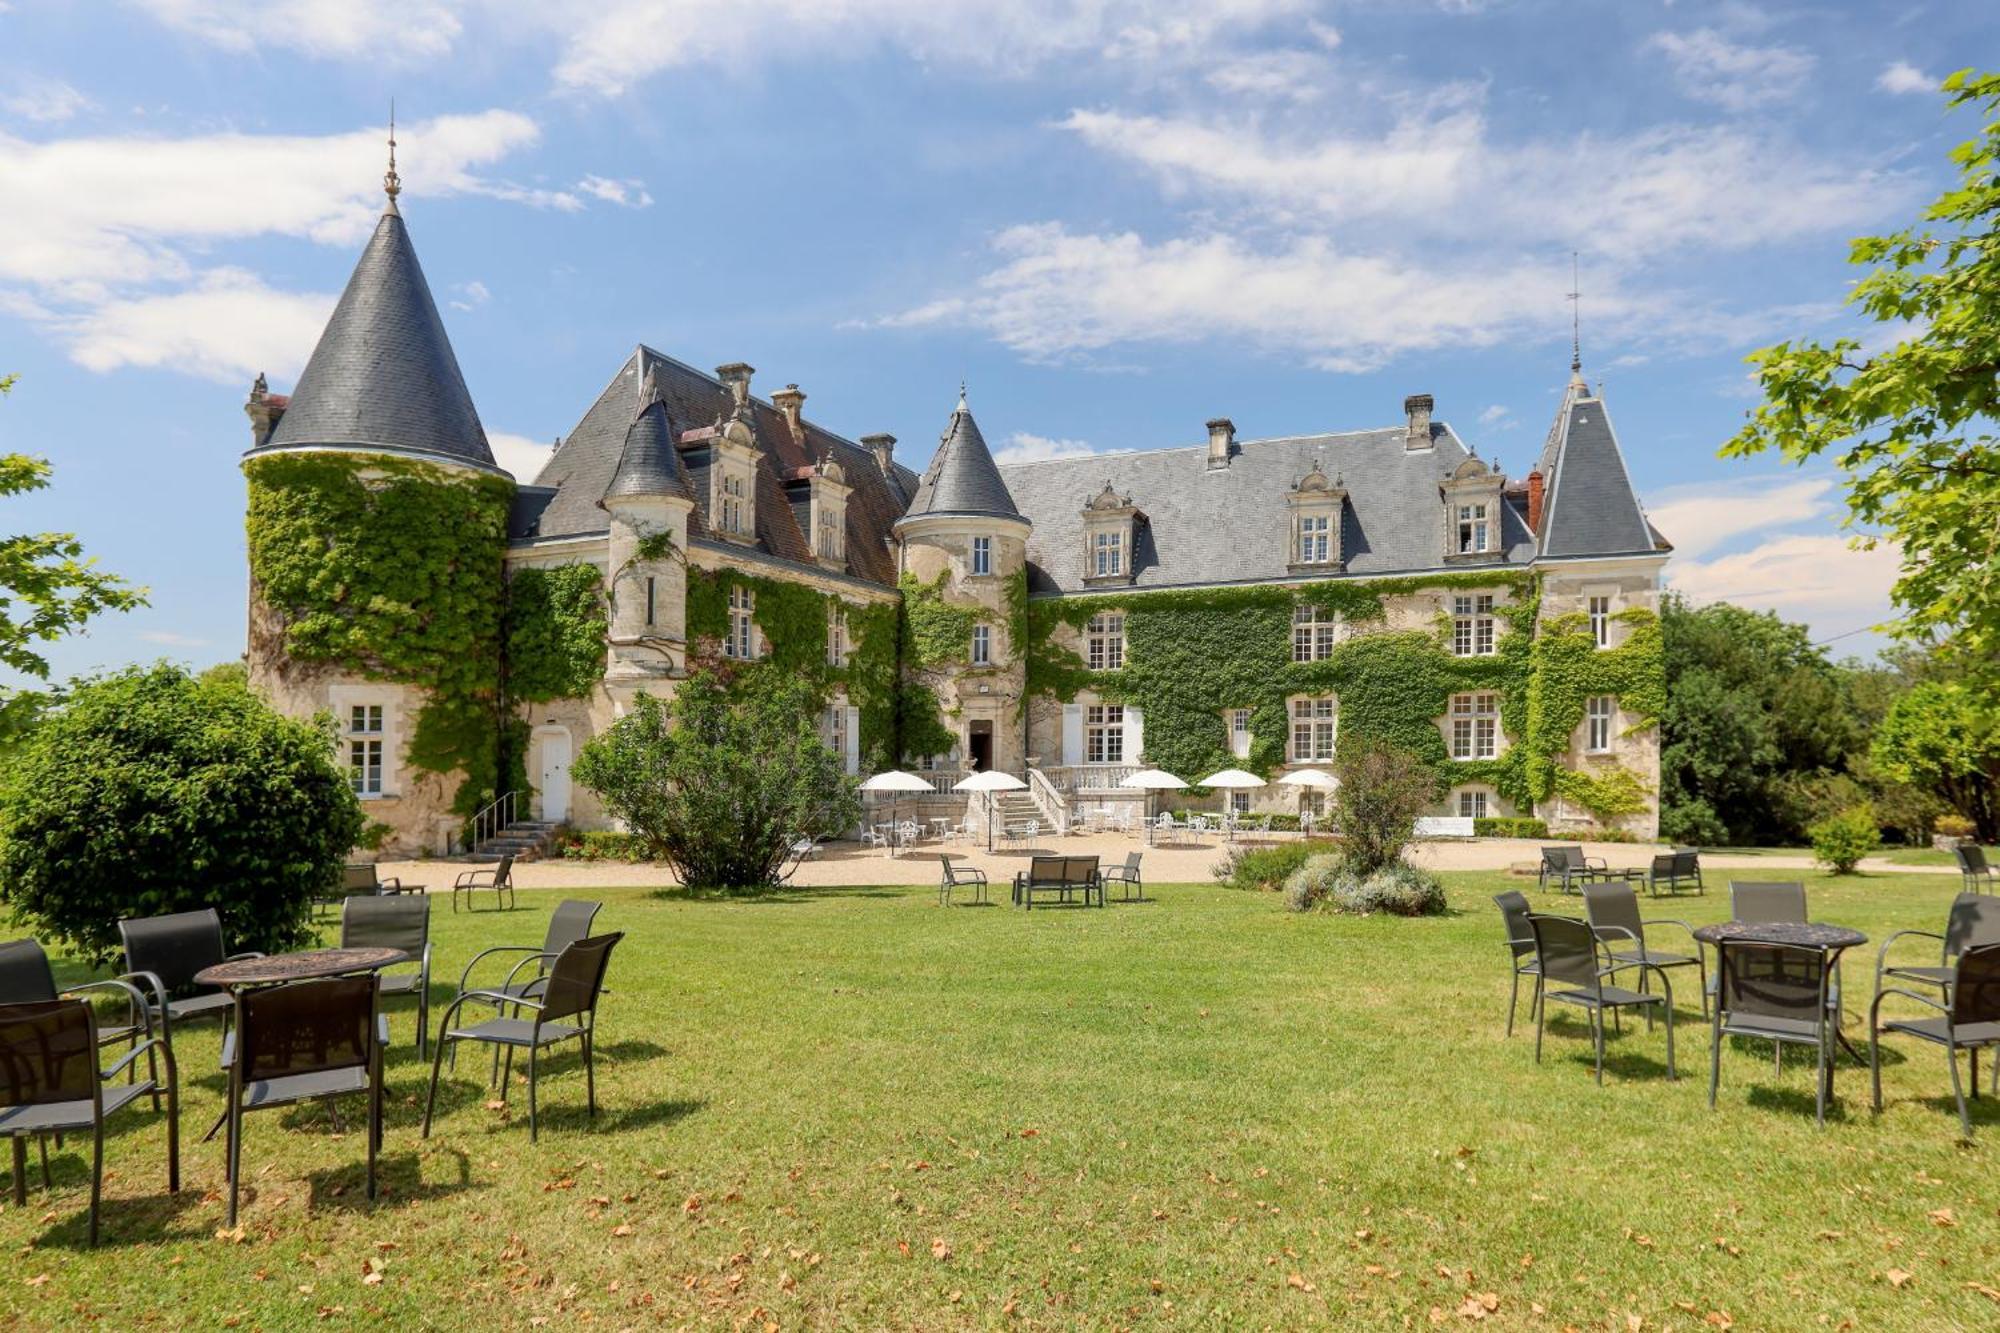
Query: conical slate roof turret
(383, 377)
(649, 465)
(962, 477)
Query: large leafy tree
(721, 780)
(48, 588)
(1911, 424)
(1753, 711)
(1945, 737)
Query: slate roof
(1591, 508)
(1230, 525)
(383, 376)
(650, 464)
(564, 500)
(962, 477)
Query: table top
(303, 966)
(1811, 935)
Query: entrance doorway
(555, 775)
(979, 745)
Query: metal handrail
(492, 817)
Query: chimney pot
(737, 376)
(884, 449)
(1535, 484)
(1221, 441)
(791, 401)
(1417, 407)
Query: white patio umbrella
(1150, 780)
(895, 782)
(1316, 779)
(989, 782)
(1232, 778)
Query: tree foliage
(1911, 425)
(151, 791)
(721, 780)
(1382, 791)
(1944, 736)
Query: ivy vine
(556, 621)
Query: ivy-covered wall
(1189, 655)
(556, 621)
(390, 569)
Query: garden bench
(1673, 869)
(1061, 876)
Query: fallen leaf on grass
(1478, 1307)
(622, 1229)
(1897, 1277)
(1720, 1319)
(940, 1249)
(1944, 1217)
(1990, 1293)
(38, 1279)
(692, 1204)
(1297, 1282)
(231, 1235)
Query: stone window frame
(836, 633)
(1472, 803)
(380, 734)
(1474, 629)
(1104, 733)
(740, 639)
(1314, 639)
(1316, 718)
(1104, 642)
(982, 645)
(979, 558)
(1475, 725)
(1600, 723)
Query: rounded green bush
(1841, 840)
(1399, 888)
(154, 792)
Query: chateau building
(1255, 603)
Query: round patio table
(306, 965)
(1829, 940)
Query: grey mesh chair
(1514, 913)
(1576, 970)
(1613, 911)
(27, 978)
(309, 1041)
(162, 954)
(396, 923)
(1673, 869)
(1968, 1019)
(1978, 876)
(50, 1084)
(499, 878)
(571, 992)
(1568, 866)
(1776, 993)
(570, 922)
(960, 877)
(1126, 875)
(1974, 921)
(1779, 901)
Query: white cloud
(1733, 75)
(398, 31)
(227, 327)
(167, 638)
(1822, 580)
(1498, 417)
(42, 100)
(520, 455)
(1699, 518)
(1023, 447)
(1284, 75)
(471, 295)
(626, 193)
(1903, 77)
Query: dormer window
(1472, 512)
(1474, 527)
(732, 505)
(1315, 502)
(829, 490)
(1109, 526)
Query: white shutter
(854, 741)
(1135, 735)
(1072, 735)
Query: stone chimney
(884, 449)
(791, 400)
(1417, 407)
(263, 409)
(1535, 501)
(737, 376)
(1221, 441)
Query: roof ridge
(1239, 444)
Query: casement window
(733, 508)
(982, 555)
(1313, 632)
(1473, 529)
(1472, 626)
(833, 727)
(1239, 802)
(1475, 726)
(740, 642)
(1107, 554)
(1315, 539)
(982, 645)
(1104, 734)
(1600, 621)
(651, 588)
(832, 539)
(1597, 715)
(1472, 805)
(1239, 732)
(1314, 723)
(364, 749)
(836, 634)
(1104, 642)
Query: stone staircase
(1012, 809)
(523, 839)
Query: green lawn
(852, 1108)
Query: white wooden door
(555, 776)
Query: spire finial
(1575, 317)
(392, 184)
(961, 395)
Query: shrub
(1263, 868)
(1311, 882)
(719, 782)
(1329, 883)
(1510, 828)
(600, 845)
(1382, 791)
(154, 792)
(1840, 841)
(1952, 826)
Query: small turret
(648, 503)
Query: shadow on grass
(399, 1183)
(142, 1220)
(771, 896)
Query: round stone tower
(648, 504)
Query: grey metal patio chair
(1973, 870)
(1126, 875)
(1514, 913)
(396, 923)
(570, 922)
(572, 990)
(1781, 901)
(51, 1084)
(1567, 865)
(1576, 969)
(1776, 993)
(309, 1041)
(959, 877)
(1674, 869)
(1974, 922)
(1968, 1019)
(162, 954)
(27, 978)
(499, 878)
(1613, 912)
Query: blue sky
(1114, 218)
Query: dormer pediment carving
(1317, 505)
(1110, 530)
(1473, 510)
